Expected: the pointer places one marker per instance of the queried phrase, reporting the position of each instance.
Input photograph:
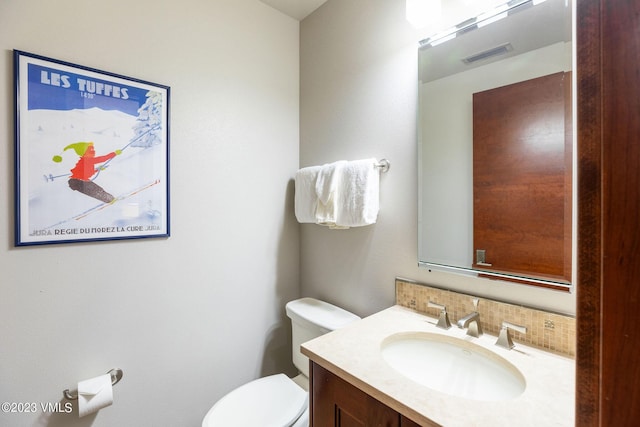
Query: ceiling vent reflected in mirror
(489, 53)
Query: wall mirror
(496, 146)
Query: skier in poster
(85, 168)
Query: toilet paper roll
(94, 394)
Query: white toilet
(277, 400)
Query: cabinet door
(336, 403)
(406, 422)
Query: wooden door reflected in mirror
(522, 178)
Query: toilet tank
(311, 318)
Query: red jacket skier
(85, 168)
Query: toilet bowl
(277, 400)
(274, 401)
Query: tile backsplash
(550, 331)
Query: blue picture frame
(91, 154)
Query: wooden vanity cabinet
(336, 403)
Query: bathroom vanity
(335, 402)
(355, 378)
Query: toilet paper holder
(116, 376)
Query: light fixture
(492, 16)
(496, 14)
(421, 13)
(441, 38)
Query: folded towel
(358, 194)
(306, 198)
(338, 195)
(327, 186)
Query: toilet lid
(273, 401)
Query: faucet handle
(504, 339)
(443, 320)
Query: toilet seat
(273, 401)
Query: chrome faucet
(443, 320)
(504, 339)
(472, 322)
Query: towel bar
(116, 376)
(383, 165)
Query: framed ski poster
(91, 154)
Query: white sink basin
(453, 366)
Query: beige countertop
(354, 354)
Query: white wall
(189, 317)
(359, 96)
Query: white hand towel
(327, 186)
(306, 198)
(358, 193)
